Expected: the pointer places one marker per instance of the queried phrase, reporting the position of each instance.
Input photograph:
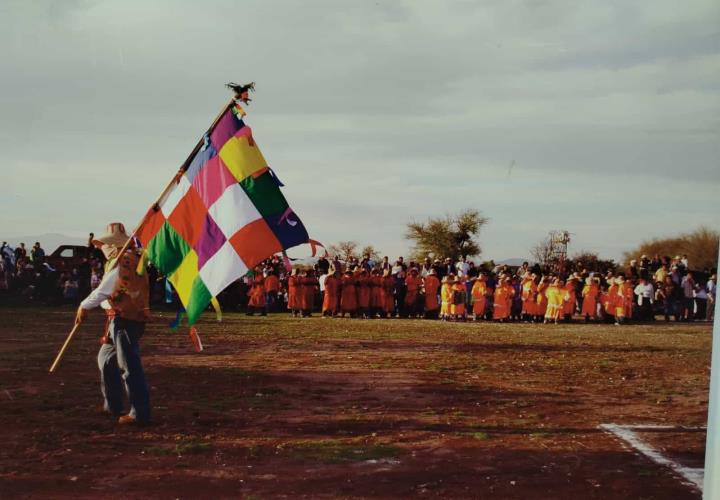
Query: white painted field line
(625, 432)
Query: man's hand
(81, 315)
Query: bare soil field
(277, 407)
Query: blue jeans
(120, 365)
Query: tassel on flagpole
(195, 339)
(218, 311)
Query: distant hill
(48, 241)
(516, 261)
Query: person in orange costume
(479, 297)
(590, 293)
(348, 295)
(386, 294)
(310, 287)
(330, 298)
(257, 295)
(503, 298)
(363, 293)
(570, 298)
(294, 285)
(541, 301)
(459, 298)
(272, 286)
(446, 297)
(431, 285)
(529, 295)
(611, 298)
(555, 295)
(413, 282)
(376, 293)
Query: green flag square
(167, 249)
(265, 194)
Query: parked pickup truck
(67, 257)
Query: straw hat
(115, 235)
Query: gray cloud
(402, 108)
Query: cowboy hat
(115, 235)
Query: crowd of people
(29, 276)
(435, 289)
(460, 291)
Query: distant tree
(451, 236)
(370, 250)
(542, 253)
(591, 262)
(343, 249)
(700, 246)
(488, 265)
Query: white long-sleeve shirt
(645, 293)
(99, 296)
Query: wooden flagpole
(154, 207)
(64, 346)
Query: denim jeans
(120, 365)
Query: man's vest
(130, 297)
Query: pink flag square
(212, 180)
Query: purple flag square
(225, 129)
(210, 240)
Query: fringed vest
(130, 298)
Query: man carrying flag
(123, 294)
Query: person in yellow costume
(459, 297)
(529, 295)
(541, 299)
(555, 295)
(617, 300)
(628, 293)
(446, 297)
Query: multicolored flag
(224, 215)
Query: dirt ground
(278, 407)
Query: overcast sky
(602, 118)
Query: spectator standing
(462, 268)
(37, 254)
(645, 293)
(701, 302)
(20, 252)
(660, 274)
(655, 263)
(688, 289)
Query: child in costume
(446, 297)
(459, 297)
(555, 295)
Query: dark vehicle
(67, 257)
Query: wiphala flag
(224, 215)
